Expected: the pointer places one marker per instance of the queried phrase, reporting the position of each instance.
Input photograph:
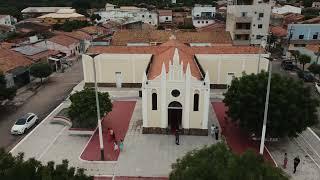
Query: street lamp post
(262, 45)
(98, 107)
(266, 106)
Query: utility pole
(98, 107)
(289, 39)
(266, 106)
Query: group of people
(296, 162)
(214, 131)
(116, 145)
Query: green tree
(16, 168)
(315, 69)
(219, 163)
(291, 106)
(40, 70)
(83, 110)
(304, 59)
(5, 92)
(295, 54)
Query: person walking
(216, 132)
(177, 137)
(212, 130)
(285, 161)
(121, 146)
(296, 162)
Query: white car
(24, 123)
(317, 87)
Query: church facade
(175, 79)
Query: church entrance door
(174, 116)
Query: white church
(175, 79)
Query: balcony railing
(243, 19)
(242, 31)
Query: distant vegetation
(68, 26)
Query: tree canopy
(219, 163)
(304, 59)
(315, 69)
(40, 70)
(6, 93)
(16, 168)
(83, 110)
(291, 106)
(69, 26)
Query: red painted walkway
(237, 140)
(118, 119)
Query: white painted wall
(123, 16)
(131, 66)
(219, 65)
(69, 50)
(164, 19)
(286, 9)
(8, 20)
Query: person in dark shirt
(296, 162)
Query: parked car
(317, 85)
(306, 76)
(288, 65)
(24, 123)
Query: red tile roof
(165, 12)
(313, 47)
(63, 40)
(43, 55)
(10, 60)
(278, 31)
(121, 38)
(80, 35)
(164, 54)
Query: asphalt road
(53, 92)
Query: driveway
(53, 92)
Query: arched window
(196, 102)
(154, 101)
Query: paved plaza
(147, 155)
(144, 155)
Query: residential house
(96, 31)
(32, 28)
(33, 12)
(286, 9)
(165, 17)
(61, 16)
(15, 67)
(7, 20)
(291, 18)
(203, 15)
(35, 53)
(311, 50)
(181, 18)
(248, 22)
(128, 14)
(62, 43)
(84, 38)
(316, 4)
(302, 34)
